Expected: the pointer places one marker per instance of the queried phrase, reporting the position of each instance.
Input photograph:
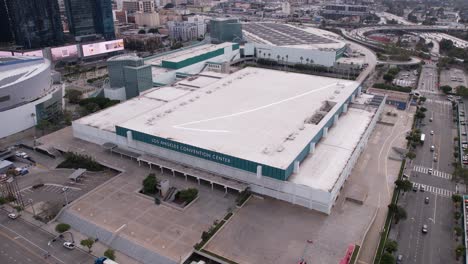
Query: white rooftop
(322, 169)
(254, 114)
(285, 35)
(183, 54)
(12, 72)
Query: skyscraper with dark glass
(87, 17)
(6, 35)
(33, 24)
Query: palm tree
(301, 58)
(259, 54)
(287, 58)
(307, 60)
(278, 57)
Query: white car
(22, 155)
(69, 245)
(432, 132)
(13, 216)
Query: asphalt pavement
(435, 246)
(22, 242)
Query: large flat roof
(322, 169)
(285, 35)
(183, 54)
(254, 114)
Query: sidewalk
(98, 248)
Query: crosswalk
(436, 173)
(440, 102)
(435, 190)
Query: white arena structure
(290, 136)
(27, 93)
(288, 44)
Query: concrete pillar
(173, 173)
(129, 137)
(296, 166)
(225, 189)
(335, 119)
(325, 132)
(259, 171)
(353, 97)
(198, 179)
(345, 108)
(149, 165)
(211, 186)
(312, 148)
(359, 90)
(162, 170)
(185, 176)
(139, 163)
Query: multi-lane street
(432, 169)
(22, 242)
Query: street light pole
(65, 194)
(30, 201)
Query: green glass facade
(130, 73)
(192, 60)
(225, 30)
(217, 157)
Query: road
(22, 242)
(435, 246)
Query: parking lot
(453, 78)
(406, 78)
(44, 185)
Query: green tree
(388, 77)
(446, 89)
(89, 242)
(458, 231)
(422, 99)
(391, 246)
(398, 212)
(149, 184)
(43, 125)
(404, 185)
(188, 195)
(387, 258)
(73, 96)
(420, 115)
(459, 251)
(60, 228)
(110, 254)
(457, 198)
(153, 30)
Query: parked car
(69, 245)
(432, 132)
(13, 216)
(429, 171)
(399, 259)
(426, 200)
(415, 187)
(21, 155)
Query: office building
(33, 24)
(90, 17)
(6, 34)
(225, 30)
(185, 31)
(138, 6)
(129, 76)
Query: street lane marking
(22, 246)
(27, 240)
(436, 173)
(435, 190)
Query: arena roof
(254, 114)
(17, 69)
(285, 35)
